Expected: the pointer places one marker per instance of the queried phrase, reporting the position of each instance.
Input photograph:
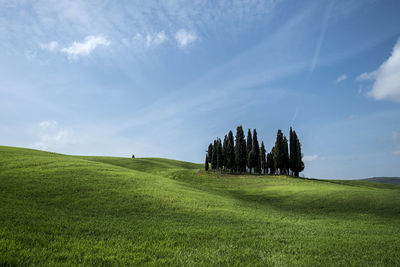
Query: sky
(165, 78)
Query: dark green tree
(209, 152)
(278, 153)
(251, 160)
(296, 161)
(224, 151)
(249, 146)
(240, 150)
(219, 155)
(206, 164)
(256, 154)
(214, 156)
(230, 153)
(263, 159)
(271, 162)
(292, 150)
(285, 156)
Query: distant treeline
(240, 156)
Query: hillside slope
(67, 210)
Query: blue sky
(164, 78)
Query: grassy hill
(68, 210)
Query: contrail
(294, 116)
(321, 37)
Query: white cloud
(86, 47)
(51, 46)
(310, 158)
(185, 38)
(367, 76)
(341, 78)
(387, 81)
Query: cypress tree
(249, 146)
(278, 153)
(292, 150)
(285, 156)
(251, 160)
(214, 156)
(206, 164)
(230, 153)
(297, 164)
(219, 154)
(240, 150)
(263, 159)
(209, 152)
(224, 151)
(270, 162)
(256, 154)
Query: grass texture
(72, 210)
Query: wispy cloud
(395, 135)
(149, 40)
(396, 152)
(310, 158)
(78, 49)
(341, 78)
(184, 38)
(52, 137)
(50, 46)
(366, 76)
(155, 39)
(47, 124)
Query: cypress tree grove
(256, 154)
(263, 159)
(230, 153)
(214, 156)
(249, 146)
(236, 155)
(240, 150)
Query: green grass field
(69, 210)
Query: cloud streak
(341, 78)
(310, 158)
